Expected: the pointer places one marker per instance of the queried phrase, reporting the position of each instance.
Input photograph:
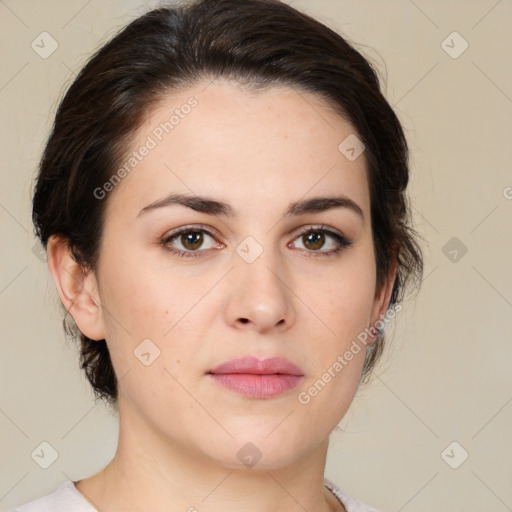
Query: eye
(191, 240)
(314, 238)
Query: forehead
(242, 146)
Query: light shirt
(67, 499)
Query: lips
(255, 366)
(257, 378)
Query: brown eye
(189, 242)
(192, 240)
(313, 240)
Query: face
(184, 289)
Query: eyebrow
(213, 207)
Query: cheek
(343, 301)
(338, 358)
(156, 312)
(345, 314)
(138, 301)
(150, 325)
(346, 298)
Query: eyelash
(341, 240)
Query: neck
(149, 472)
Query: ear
(382, 298)
(78, 289)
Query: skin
(179, 432)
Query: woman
(222, 201)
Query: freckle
(166, 311)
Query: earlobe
(77, 289)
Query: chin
(255, 452)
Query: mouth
(257, 378)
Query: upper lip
(250, 364)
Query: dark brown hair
(259, 43)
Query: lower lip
(257, 386)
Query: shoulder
(350, 504)
(64, 499)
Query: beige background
(445, 377)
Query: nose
(259, 298)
